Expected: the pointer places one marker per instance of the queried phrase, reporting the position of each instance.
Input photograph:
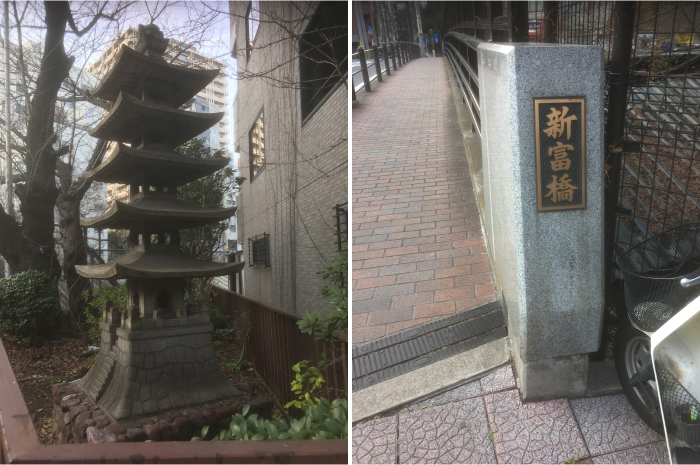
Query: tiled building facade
(291, 122)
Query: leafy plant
(304, 385)
(335, 292)
(491, 436)
(323, 420)
(219, 320)
(95, 306)
(227, 334)
(51, 380)
(572, 460)
(234, 367)
(29, 304)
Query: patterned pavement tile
(653, 453)
(499, 380)
(542, 432)
(610, 424)
(465, 391)
(375, 441)
(453, 433)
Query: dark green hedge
(29, 304)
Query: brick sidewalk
(418, 251)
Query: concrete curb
(430, 380)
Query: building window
(323, 54)
(252, 24)
(259, 251)
(257, 147)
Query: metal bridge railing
(460, 50)
(399, 52)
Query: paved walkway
(485, 422)
(418, 250)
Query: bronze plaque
(560, 145)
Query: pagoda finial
(150, 41)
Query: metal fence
(652, 102)
(276, 344)
(19, 442)
(400, 54)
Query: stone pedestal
(549, 263)
(146, 366)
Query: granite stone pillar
(549, 263)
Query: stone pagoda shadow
(156, 356)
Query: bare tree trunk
(74, 251)
(31, 245)
(73, 241)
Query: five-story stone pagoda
(157, 355)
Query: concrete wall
(305, 172)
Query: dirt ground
(62, 359)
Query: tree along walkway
(418, 251)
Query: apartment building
(291, 131)
(215, 94)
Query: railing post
(363, 67)
(386, 60)
(402, 57)
(393, 54)
(377, 62)
(354, 97)
(622, 37)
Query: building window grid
(341, 226)
(259, 251)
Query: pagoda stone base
(76, 419)
(146, 366)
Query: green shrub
(235, 367)
(95, 306)
(324, 420)
(304, 385)
(217, 318)
(29, 304)
(335, 292)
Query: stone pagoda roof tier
(132, 69)
(167, 212)
(153, 168)
(130, 116)
(162, 263)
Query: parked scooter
(657, 348)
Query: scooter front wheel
(634, 369)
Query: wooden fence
(275, 344)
